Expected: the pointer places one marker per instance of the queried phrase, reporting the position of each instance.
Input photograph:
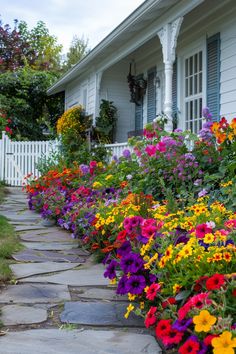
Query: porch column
(97, 94)
(168, 36)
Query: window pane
(191, 66)
(195, 63)
(191, 86)
(200, 61)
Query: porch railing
(116, 149)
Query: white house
(184, 51)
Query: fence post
(2, 156)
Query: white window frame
(184, 54)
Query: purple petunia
(121, 287)
(182, 325)
(136, 284)
(126, 153)
(111, 270)
(131, 263)
(124, 249)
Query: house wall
(114, 87)
(228, 70)
(82, 91)
(194, 34)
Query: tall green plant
(106, 122)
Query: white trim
(194, 48)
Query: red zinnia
(152, 291)
(163, 328)
(189, 347)
(215, 282)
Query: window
(193, 92)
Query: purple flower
(84, 169)
(202, 193)
(136, 284)
(111, 270)
(182, 325)
(126, 153)
(131, 263)
(206, 113)
(124, 249)
(121, 287)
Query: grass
(2, 192)
(8, 245)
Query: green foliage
(106, 122)
(8, 245)
(24, 99)
(78, 49)
(36, 48)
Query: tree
(24, 99)
(21, 47)
(77, 51)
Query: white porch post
(168, 37)
(97, 94)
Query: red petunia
(173, 337)
(150, 319)
(191, 346)
(215, 282)
(208, 339)
(152, 291)
(163, 328)
(169, 301)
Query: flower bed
(163, 222)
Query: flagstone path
(59, 301)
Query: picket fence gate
(19, 158)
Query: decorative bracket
(168, 36)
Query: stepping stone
(92, 276)
(28, 269)
(99, 314)
(14, 315)
(35, 293)
(47, 246)
(55, 341)
(98, 294)
(30, 227)
(45, 236)
(45, 256)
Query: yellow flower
(129, 309)
(108, 177)
(204, 321)
(113, 281)
(208, 238)
(97, 185)
(224, 344)
(131, 297)
(176, 288)
(141, 304)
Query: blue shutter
(174, 89)
(151, 95)
(213, 75)
(139, 111)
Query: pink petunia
(151, 150)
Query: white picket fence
(19, 158)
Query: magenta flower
(151, 150)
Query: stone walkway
(59, 302)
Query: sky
(91, 19)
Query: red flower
(215, 282)
(208, 339)
(163, 328)
(202, 229)
(169, 301)
(234, 292)
(189, 347)
(121, 236)
(152, 291)
(173, 337)
(150, 319)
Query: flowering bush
(163, 221)
(4, 124)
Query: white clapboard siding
(20, 158)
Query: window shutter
(139, 111)
(213, 75)
(151, 95)
(174, 89)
